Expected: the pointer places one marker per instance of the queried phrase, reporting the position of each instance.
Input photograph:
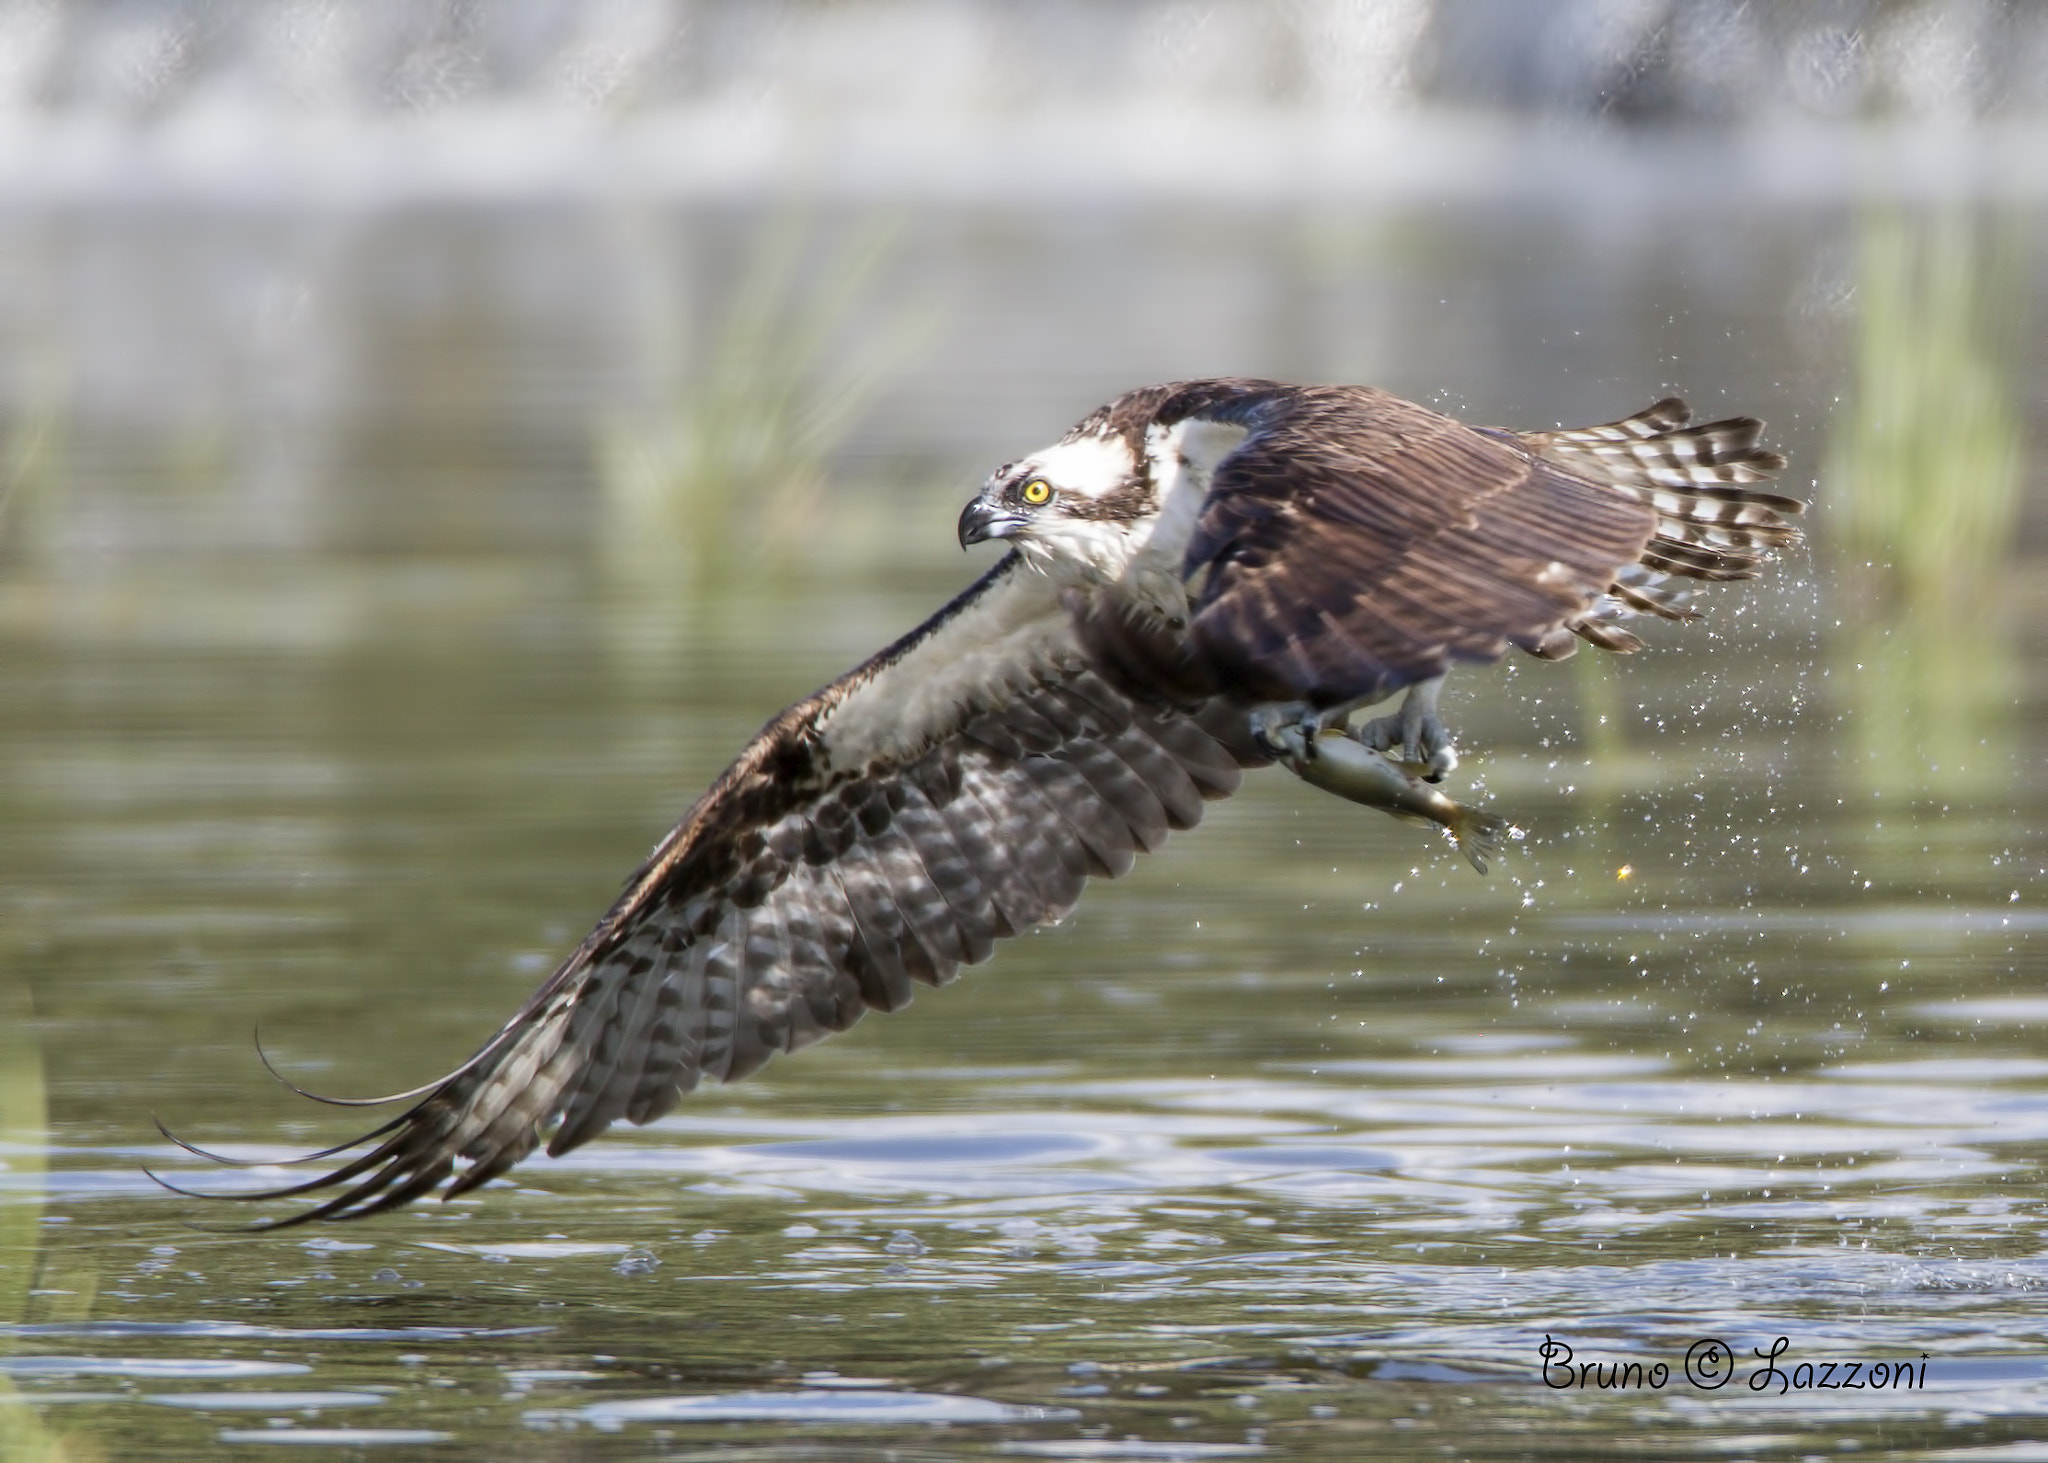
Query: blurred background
(434, 435)
(299, 275)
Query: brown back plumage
(1355, 542)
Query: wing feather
(622, 1031)
(1048, 866)
(1124, 794)
(1353, 543)
(835, 867)
(886, 965)
(815, 994)
(1015, 899)
(1180, 797)
(926, 916)
(970, 907)
(1102, 841)
(654, 1090)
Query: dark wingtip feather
(313, 1157)
(389, 1097)
(399, 1168)
(256, 1228)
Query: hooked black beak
(982, 520)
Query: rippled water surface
(1302, 1140)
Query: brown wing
(1355, 542)
(797, 895)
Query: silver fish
(1347, 767)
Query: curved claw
(1284, 731)
(1416, 730)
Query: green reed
(24, 1140)
(1922, 501)
(31, 464)
(728, 467)
(1924, 471)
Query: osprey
(1203, 576)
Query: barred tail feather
(1604, 633)
(1659, 448)
(1712, 524)
(1640, 591)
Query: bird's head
(1078, 505)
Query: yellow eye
(1037, 492)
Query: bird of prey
(1204, 577)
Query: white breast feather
(1184, 458)
(1183, 463)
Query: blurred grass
(727, 472)
(31, 465)
(1923, 500)
(1926, 463)
(24, 1133)
(24, 1140)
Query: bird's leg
(1417, 730)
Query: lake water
(341, 682)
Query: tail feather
(1605, 634)
(1659, 417)
(1635, 590)
(1658, 448)
(1671, 557)
(1712, 524)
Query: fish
(1340, 763)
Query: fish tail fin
(1480, 835)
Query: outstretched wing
(958, 788)
(1355, 542)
